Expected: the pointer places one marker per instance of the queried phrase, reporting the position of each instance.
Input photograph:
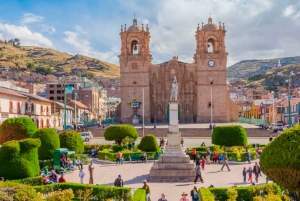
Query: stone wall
(189, 132)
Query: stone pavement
(134, 173)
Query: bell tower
(135, 61)
(211, 59)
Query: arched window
(19, 105)
(32, 107)
(210, 45)
(26, 107)
(10, 105)
(47, 109)
(134, 47)
(42, 109)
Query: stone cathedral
(203, 91)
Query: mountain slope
(27, 58)
(249, 68)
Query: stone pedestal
(174, 165)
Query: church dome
(210, 26)
(135, 27)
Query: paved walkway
(134, 173)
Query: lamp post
(289, 80)
(273, 95)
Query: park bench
(136, 157)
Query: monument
(174, 165)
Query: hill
(50, 61)
(274, 82)
(249, 68)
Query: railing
(252, 121)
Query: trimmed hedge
(118, 133)
(148, 143)
(17, 128)
(71, 140)
(280, 159)
(31, 181)
(83, 158)
(19, 159)
(139, 195)
(49, 142)
(232, 156)
(111, 156)
(100, 192)
(11, 190)
(231, 135)
(244, 193)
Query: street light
(273, 117)
(289, 93)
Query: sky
(256, 29)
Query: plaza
(134, 173)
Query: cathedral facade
(203, 91)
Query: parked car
(86, 136)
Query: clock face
(211, 63)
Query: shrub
(99, 192)
(71, 140)
(232, 194)
(61, 195)
(89, 147)
(31, 181)
(148, 143)
(280, 159)
(110, 156)
(252, 154)
(16, 191)
(139, 195)
(19, 159)
(231, 135)
(118, 133)
(83, 158)
(17, 129)
(206, 194)
(49, 142)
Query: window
(134, 47)
(19, 105)
(51, 98)
(58, 97)
(32, 107)
(58, 86)
(209, 104)
(210, 45)
(51, 92)
(86, 95)
(11, 105)
(42, 108)
(47, 109)
(26, 106)
(51, 86)
(58, 91)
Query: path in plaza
(134, 173)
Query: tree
(280, 159)
(118, 133)
(30, 66)
(148, 143)
(49, 142)
(19, 159)
(16, 129)
(16, 42)
(231, 135)
(71, 140)
(42, 70)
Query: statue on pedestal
(174, 90)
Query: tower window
(134, 47)
(209, 104)
(210, 45)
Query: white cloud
(30, 18)
(288, 11)
(79, 41)
(47, 29)
(292, 12)
(26, 36)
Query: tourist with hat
(119, 181)
(147, 188)
(163, 197)
(184, 197)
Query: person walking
(119, 155)
(194, 153)
(244, 174)
(184, 197)
(208, 155)
(256, 170)
(250, 172)
(91, 170)
(202, 163)
(81, 175)
(147, 188)
(198, 173)
(119, 181)
(195, 194)
(248, 156)
(225, 163)
(163, 197)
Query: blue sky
(255, 29)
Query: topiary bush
(71, 140)
(228, 136)
(49, 142)
(148, 143)
(17, 128)
(280, 159)
(19, 159)
(118, 133)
